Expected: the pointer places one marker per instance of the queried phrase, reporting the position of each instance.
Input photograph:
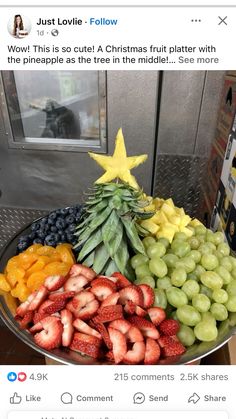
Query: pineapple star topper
(118, 165)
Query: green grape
(226, 263)
(194, 243)
(158, 267)
(191, 288)
(174, 315)
(164, 283)
(186, 335)
(199, 270)
(156, 250)
(160, 298)
(188, 315)
(209, 262)
(201, 238)
(192, 276)
(164, 241)
(170, 260)
(211, 246)
(201, 230)
(231, 303)
(233, 273)
(210, 236)
(201, 302)
(187, 263)
(180, 236)
(196, 255)
(231, 287)
(225, 275)
(142, 270)
(219, 311)
(218, 254)
(180, 248)
(206, 332)
(148, 241)
(204, 249)
(176, 297)
(208, 317)
(148, 280)
(138, 260)
(233, 261)
(178, 277)
(232, 319)
(220, 296)
(206, 291)
(224, 249)
(211, 280)
(170, 251)
(218, 238)
(191, 229)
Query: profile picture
(19, 26)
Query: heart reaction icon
(22, 376)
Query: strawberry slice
(148, 295)
(55, 306)
(84, 305)
(36, 328)
(140, 311)
(102, 281)
(50, 337)
(131, 293)
(109, 313)
(157, 315)
(27, 319)
(83, 327)
(86, 344)
(79, 269)
(147, 328)
(40, 296)
(104, 333)
(64, 294)
(111, 300)
(102, 289)
(169, 327)
(110, 356)
(24, 307)
(38, 317)
(136, 354)
(122, 325)
(45, 304)
(122, 281)
(54, 282)
(170, 346)
(152, 353)
(134, 335)
(76, 283)
(119, 346)
(68, 329)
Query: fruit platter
(122, 278)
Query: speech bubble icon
(67, 398)
(139, 398)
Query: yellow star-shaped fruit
(118, 165)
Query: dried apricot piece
(65, 253)
(37, 266)
(12, 263)
(57, 268)
(15, 275)
(4, 285)
(33, 248)
(46, 251)
(35, 280)
(27, 259)
(21, 291)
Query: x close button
(223, 20)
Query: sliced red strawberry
(40, 296)
(136, 354)
(147, 328)
(157, 315)
(103, 281)
(55, 306)
(111, 300)
(131, 293)
(54, 282)
(50, 337)
(122, 281)
(148, 295)
(130, 307)
(140, 311)
(68, 329)
(102, 289)
(36, 328)
(83, 327)
(103, 331)
(38, 317)
(169, 327)
(45, 304)
(170, 346)
(84, 305)
(134, 335)
(86, 344)
(76, 283)
(24, 307)
(109, 313)
(64, 294)
(110, 356)
(122, 325)
(27, 319)
(152, 353)
(119, 346)
(79, 269)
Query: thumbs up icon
(15, 399)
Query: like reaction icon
(12, 376)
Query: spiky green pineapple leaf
(100, 259)
(90, 245)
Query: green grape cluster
(194, 280)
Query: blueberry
(60, 223)
(32, 235)
(34, 226)
(53, 229)
(70, 237)
(51, 221)
(72, 210)
(58, 212)
(22, 246)
(23, 239)
(53, 215)
(64, 211)
(50, 240)
(70, 219)
(71, 228)
(38, 241)
(62, 238)
(41, 234)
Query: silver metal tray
(64, 356)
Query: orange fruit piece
(37, 266)
(46, 251)
(35, 280)
(21, 291)
(4, 286)
(15, 275)
(33, 248)
(11, 303)
(27, 259)
(57, 268)
(12, 263)
(65, 253)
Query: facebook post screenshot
(117, 209)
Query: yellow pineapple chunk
(170, 202)
(195, 222)
(150, 226)
(185, 220)
(186, 231)
(161, 218)
(175, 219)
(168, 210)
(167, 232)
(180, 211)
